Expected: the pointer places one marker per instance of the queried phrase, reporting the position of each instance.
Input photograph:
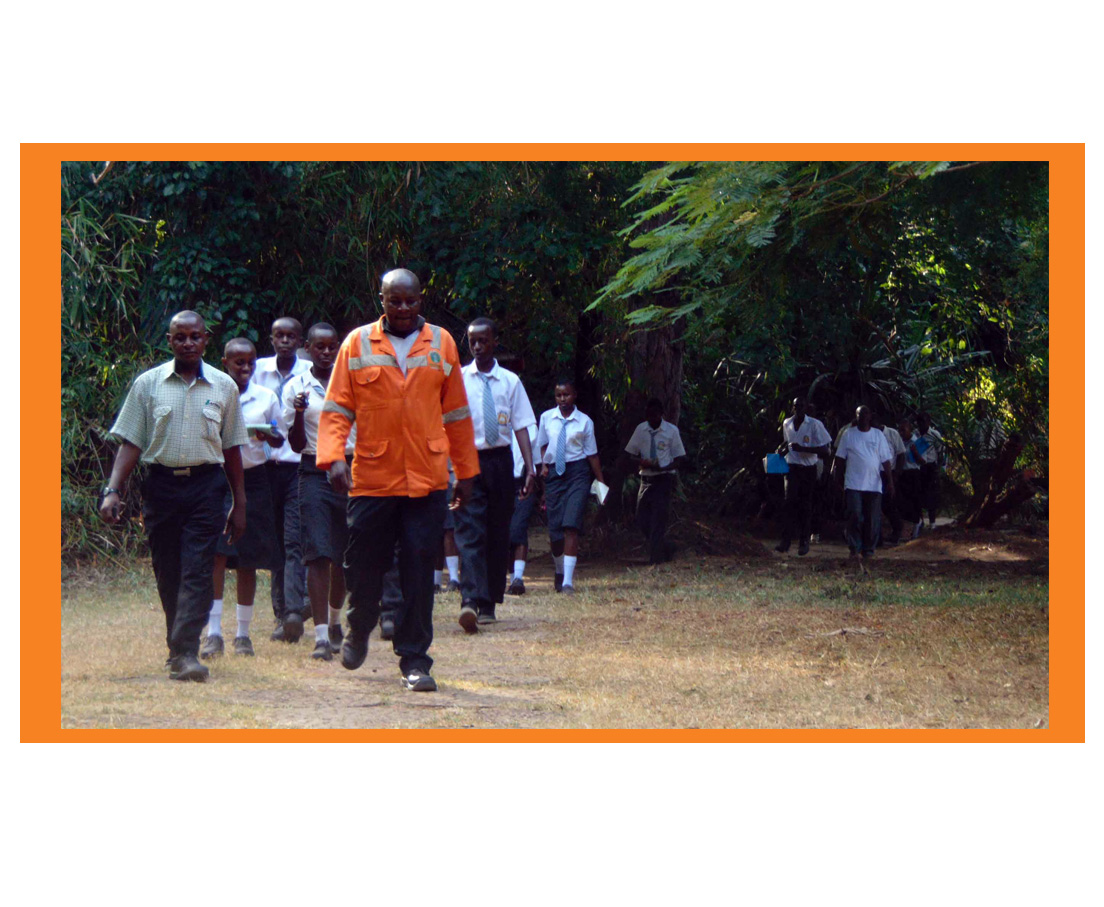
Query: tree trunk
(1004, 490)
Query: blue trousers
(864, 520)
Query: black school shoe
(212, 647)
(486, 617)
(387, 626)
(322, 650)
(336, 636)
(419, 681)
(557, 583)
(469, 618)
(293, 626)
(187, 667)
(517, 587)
(354, 650)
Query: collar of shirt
(574, 415)
(472, 369)
(168, 370)
(268, 366)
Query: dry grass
(711, 641)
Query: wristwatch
(109, 490)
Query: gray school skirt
(256, 549)
(323, 530)
(566, 498)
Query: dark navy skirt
(566, 498)
(256, 550)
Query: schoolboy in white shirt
(656, 445)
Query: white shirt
(865, 452)
(668, 446)
(267, 375)
(896, 444)
(260, 406)
(812, 433)
(929, 446)
(305, 381)
(519, 462)
(580, 436)
(402, 346)
(512, 408)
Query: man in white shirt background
(863, 467)
(805, 440)
(655, 446)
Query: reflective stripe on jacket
(407, 427)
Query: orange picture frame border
(40, 501)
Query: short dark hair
(320, 326)
(241, 341)
(565, 381)
(484, 322)
(654, 403)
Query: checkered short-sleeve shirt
(177, 424)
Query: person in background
(805, 440)
(321, 504)
(863, 467)
(890, 508)
(569, 456)
(256, 549)
(927, 447)
(523, 513)
(289, 576)
(656, 447)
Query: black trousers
(289, 576)
(800, 488)
(891, 509)
(929, 488)
(184, 517)
(908, 493)
(483, 530)
(375, 525)
(653, 507)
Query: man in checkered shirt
(183, 421)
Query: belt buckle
(186, 471)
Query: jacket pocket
(374, 449)
(438, 445)
(367, 375)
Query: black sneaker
(567, 590)
(188, 667)
(336, 636)
(453, 586)
(293, 626)
(486, 617)
(212, 647)
(802, 549)
(469, 619)
(387, 626)
(322, 650)
(517, 587)
(243, 645)
(354, 649)
(419, 681)
(278, 633)
(557, 583)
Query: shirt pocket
(212, 423)
(162, 418)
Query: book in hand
(599, 490)
(260, 430)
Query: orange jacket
(407, 428)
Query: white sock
(335, 615)
(569, 569)
(245, 616)
(214, 621)
(321, 632)
(437, 575)
(453, 568)
(559, 563)
(519, 569)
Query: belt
(307, 463)
(183, 472)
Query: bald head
(400, 277)
(188, 318)
(239, 345)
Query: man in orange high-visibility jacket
(399, 381)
